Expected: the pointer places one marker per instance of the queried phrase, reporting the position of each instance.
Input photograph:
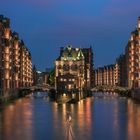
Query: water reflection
(16, 121)
(92, 119)
(133, 125)
(81, 118)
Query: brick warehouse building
(15, 61)
(74, 69)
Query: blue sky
(47, 25)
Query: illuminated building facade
(26, 71)
(132, 52)
(127, 66)
(114, 75)
(105, 75)
(15, 61)
(70, 70)
(120, 71)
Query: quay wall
(11, 94)
(135, 94)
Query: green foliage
(51, 78)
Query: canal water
(101, 117)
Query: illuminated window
(69, 86)
(7, 76)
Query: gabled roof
(70, 53)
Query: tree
(51, 78)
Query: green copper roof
(70, 53)
(135, 32)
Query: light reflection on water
(95, 118)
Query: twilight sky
(47, 25)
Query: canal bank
(122, 91)
(135, 94)
(72, 98)
(69, 96)
(12, 94)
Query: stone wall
(135, 94)
(8, 94)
